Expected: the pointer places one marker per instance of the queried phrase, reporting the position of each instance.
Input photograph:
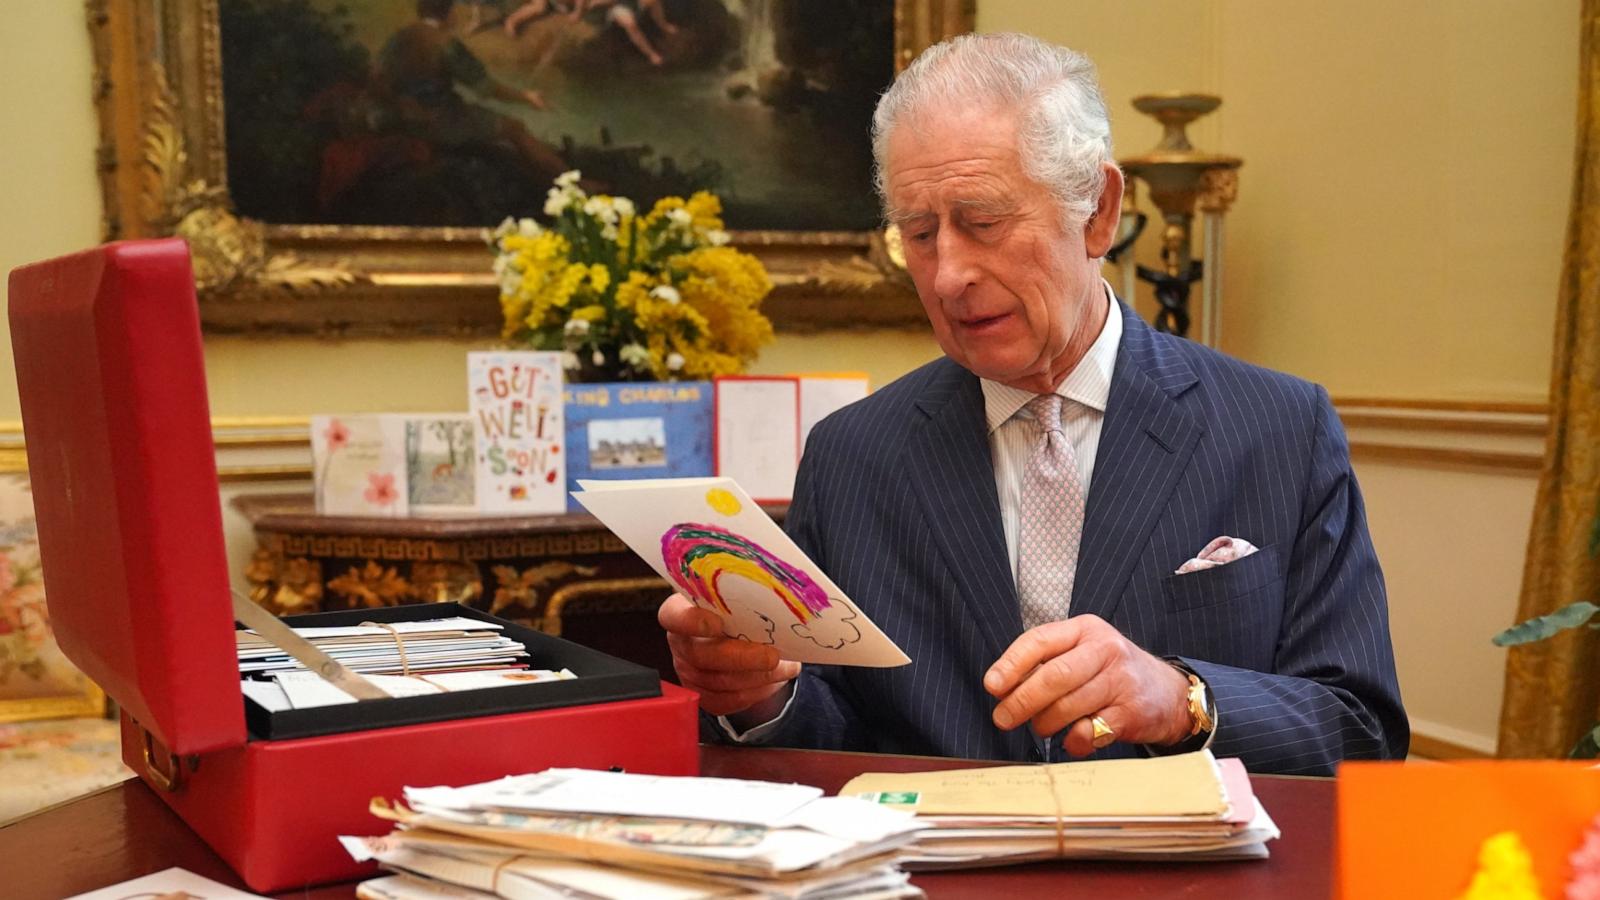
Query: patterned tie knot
(1046, 410)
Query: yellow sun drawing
(723, 501)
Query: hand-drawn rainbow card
(711, 541)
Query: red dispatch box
(112, 382)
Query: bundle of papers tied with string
(601, 835)
(1185, 807)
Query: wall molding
(1499, 436)
(1435, 748)
(1435, 740)
(1505, 436)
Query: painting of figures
(461, 112)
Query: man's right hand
(732, 676)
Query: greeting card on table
(439, 464)
(359, 465)
(758, 432)
(824, 393)
(638, 430)
(710, 540)
(515, 401)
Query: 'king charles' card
(515, 400)
(721, 550)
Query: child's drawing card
(721, 550)
(439, 464)
(758, 432)
(518, 431)
(359, 465)
(823, 393)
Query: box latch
(171, 779)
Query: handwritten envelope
(707, 537)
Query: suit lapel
(949, 466)
(1145, 443)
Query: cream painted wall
(51, 201)
(1407, 172)
(251, 377)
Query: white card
(822, 395)
(628, 794)
(519, 431)
(758, 434)
(359, 465)
(709, 539)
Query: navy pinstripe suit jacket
(896, 502)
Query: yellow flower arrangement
(659, 296)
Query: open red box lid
(111, 375)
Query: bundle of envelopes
(405, 659)
(603, 835)
(1184, 807)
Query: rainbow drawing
(698, 555)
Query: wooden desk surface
(125, 831)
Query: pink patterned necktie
(1051, 521)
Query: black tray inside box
(601, 678)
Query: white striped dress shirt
(1013, 438)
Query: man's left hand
(1058, 675)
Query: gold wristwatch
(1201, 721)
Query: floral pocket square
(1220, 551)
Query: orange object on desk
(1415, 830)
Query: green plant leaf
(1572, 615)
(1588, 746)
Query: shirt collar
(1089, 383)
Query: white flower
(556, 201)
(506, 228)
(674, 361)
(609, 232)
(528, 228)
(568, 178)
(623, 206)
(510, 281)
(635, 355)
(601, 208)
(598, 358)
(680, 217)
(499, 264)
(666, 292)
(576, 327)
(717, 237)
(569, 360)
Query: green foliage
(1572, 615)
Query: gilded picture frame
(163, 169)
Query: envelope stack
(600, 835)
(1185, 807)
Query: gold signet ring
(1103, 734)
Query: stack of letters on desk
(598, 835)
(1187, 807)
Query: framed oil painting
(36, 679)
(335, 163)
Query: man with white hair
(1126, 541)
